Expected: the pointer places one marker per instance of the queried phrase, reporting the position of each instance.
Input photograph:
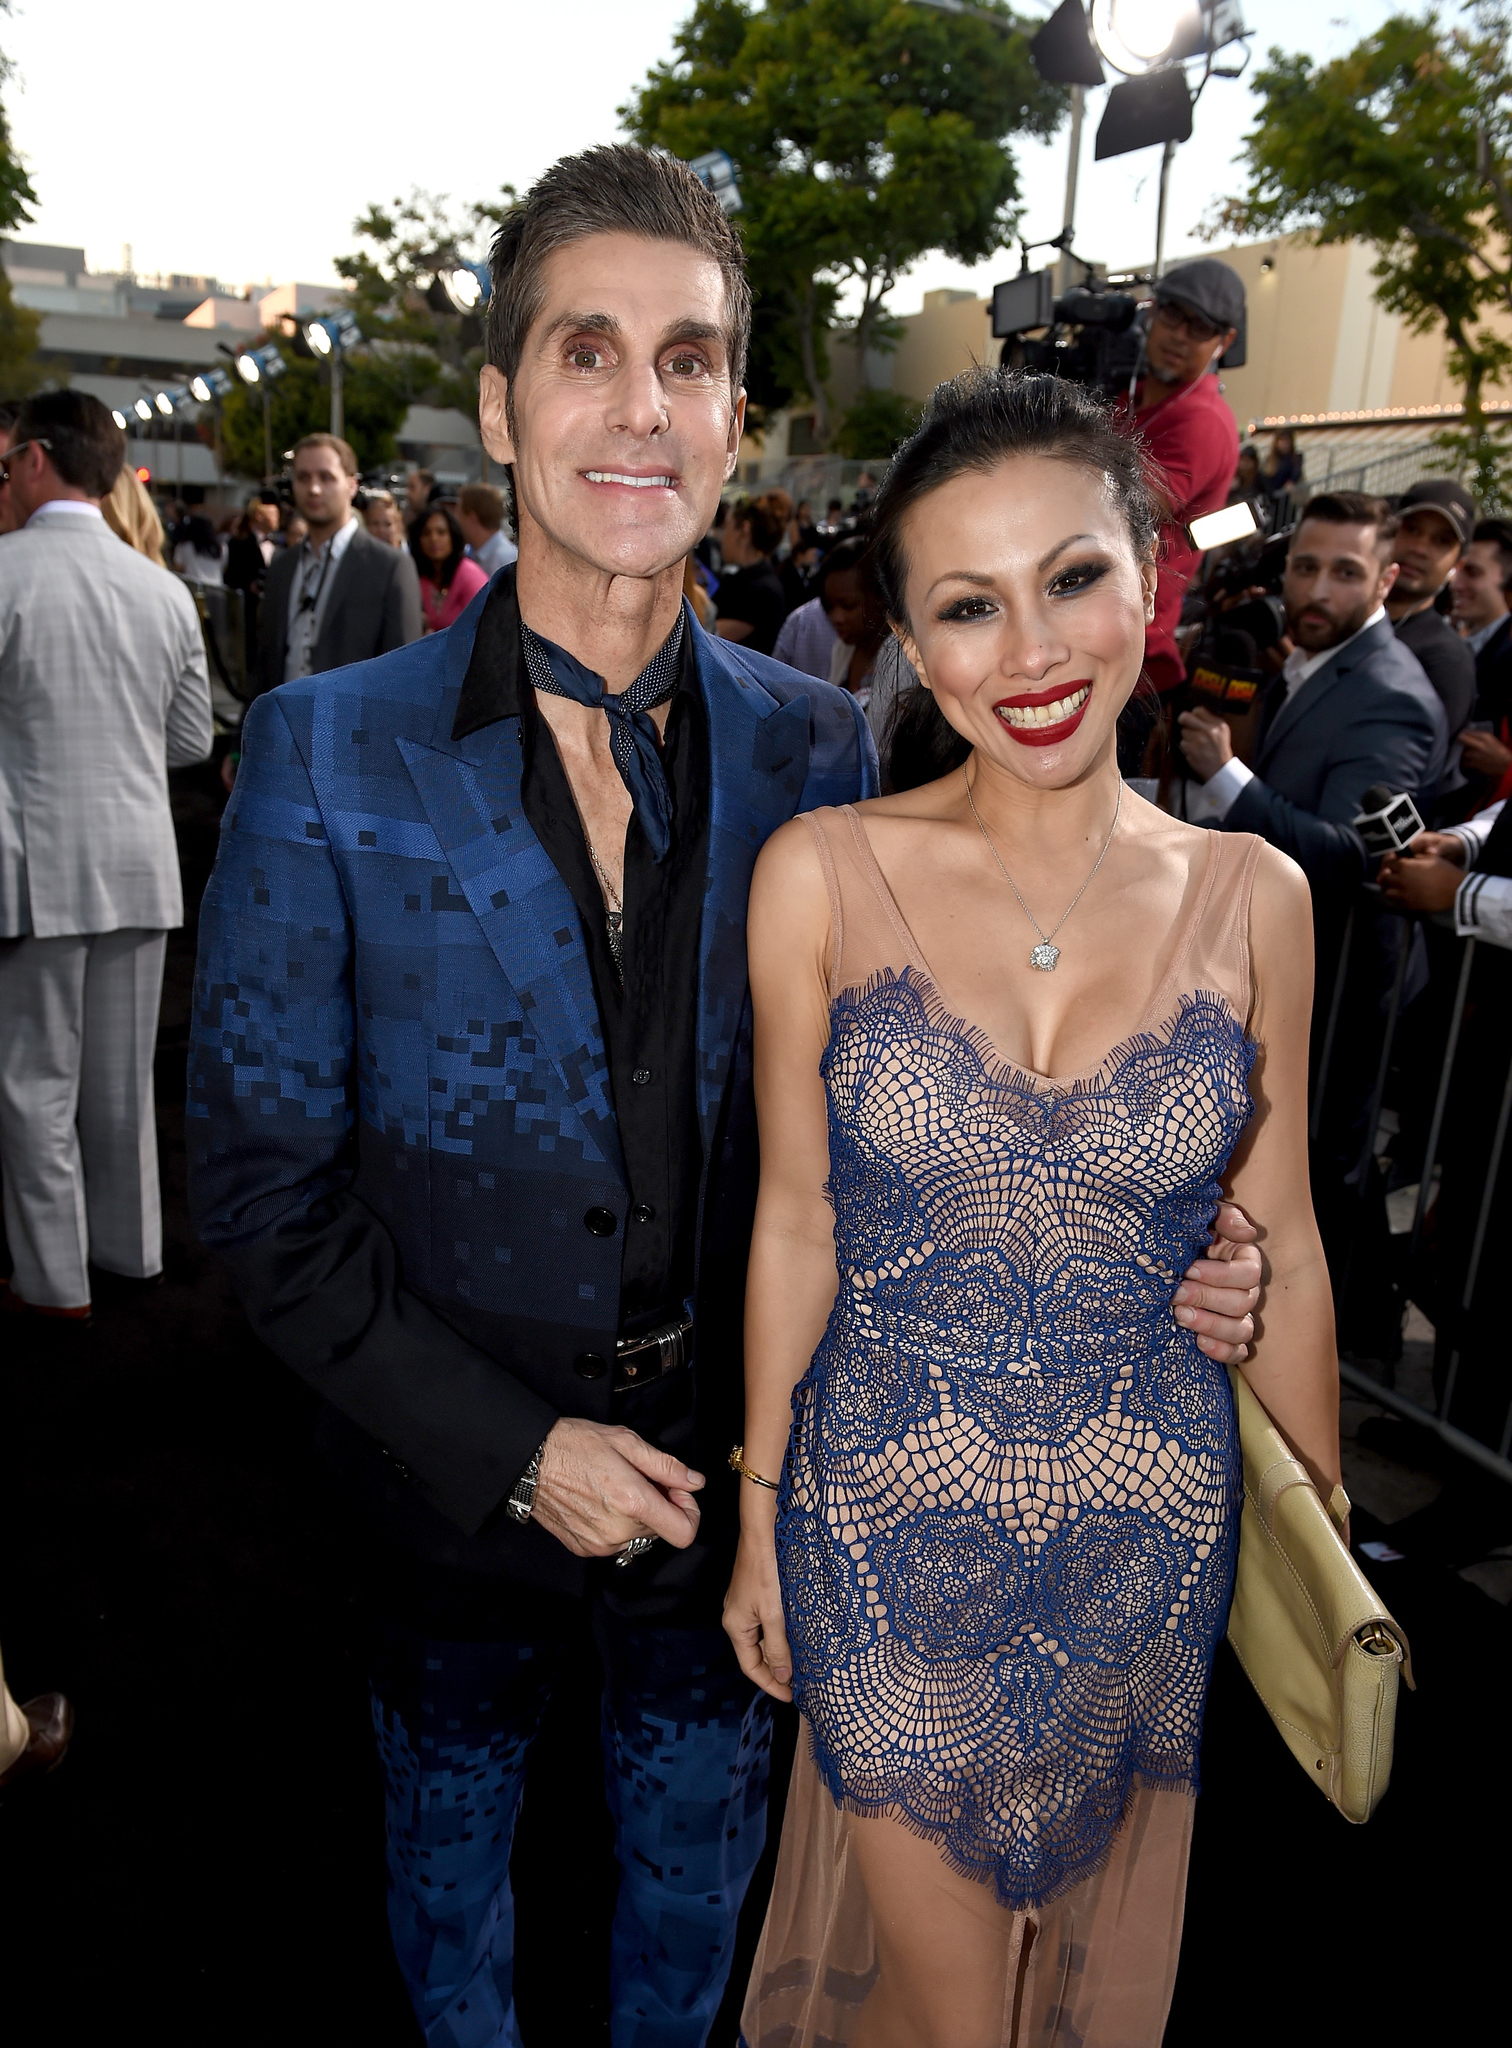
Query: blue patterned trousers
(686, 1749)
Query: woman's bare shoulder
(789, 876)
(1281, 891)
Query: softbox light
(1063, 50)
(1144, 111)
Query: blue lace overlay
(1009, 1511)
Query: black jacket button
(589, 1366)
(602, 1222)
(641, 1076)
(642, 1212)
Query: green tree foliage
(864, 133)
(20, 328)
(376, 395)
(876, 424)
(1405, 143)
(21, 370)
(394, 296)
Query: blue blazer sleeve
(272, 1154)
(1393, 744)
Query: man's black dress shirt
(649, 1023)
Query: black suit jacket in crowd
(1368, 715)
(374, 607)
(1493, 674)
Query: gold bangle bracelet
(738, 1464)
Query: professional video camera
(1092, 334)
(1238, 607)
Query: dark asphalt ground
(207, 1866)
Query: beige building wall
(951, 332)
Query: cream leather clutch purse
(1308, 1626)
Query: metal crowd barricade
(1492, 1455)
(223, 625)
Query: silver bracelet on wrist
(520, 1505)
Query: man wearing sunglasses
(1181, 417)
(102, 690)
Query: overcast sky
(243, 142)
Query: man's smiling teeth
(638, 483)
(1045, 714)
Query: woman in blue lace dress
(1016, 1031)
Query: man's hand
(1218, 1293)
(1413, 882)
(1438, 846)
(1484, 753)
(1207, 743)
(600, 1486)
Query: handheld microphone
(1387, 821)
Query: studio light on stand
(1148, 42)
(461, 287)
(259, 368)
(329, 336)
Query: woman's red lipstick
(1034, 734)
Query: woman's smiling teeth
(637, 483)
(1045, 714)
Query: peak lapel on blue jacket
(758, 763)
(470, 789)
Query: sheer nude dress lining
(1211, 950)
(1095, 1968)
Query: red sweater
(1193, 438)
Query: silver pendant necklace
(1044, 955)
(614, 911)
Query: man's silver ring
(636, 1547)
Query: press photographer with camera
(1351, 706)
(1189, 430)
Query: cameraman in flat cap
(1183, 420)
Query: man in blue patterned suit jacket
(470, 1104)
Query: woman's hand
(753, 1615)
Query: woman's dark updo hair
(440, 573)
(974, 422)
(984, 417)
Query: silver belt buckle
(639, 1360)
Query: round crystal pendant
(1044, 956)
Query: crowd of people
(628, 885)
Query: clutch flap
(1346, 1606)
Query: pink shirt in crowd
(441, 607)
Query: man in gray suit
(102, 690)
(340, 596)
(1351, 706)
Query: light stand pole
(1167, 158)
(1073, 168)
(267, 434)
(338, 396)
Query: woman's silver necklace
(614, 913)
(1044, 955)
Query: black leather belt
(639, 1360)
